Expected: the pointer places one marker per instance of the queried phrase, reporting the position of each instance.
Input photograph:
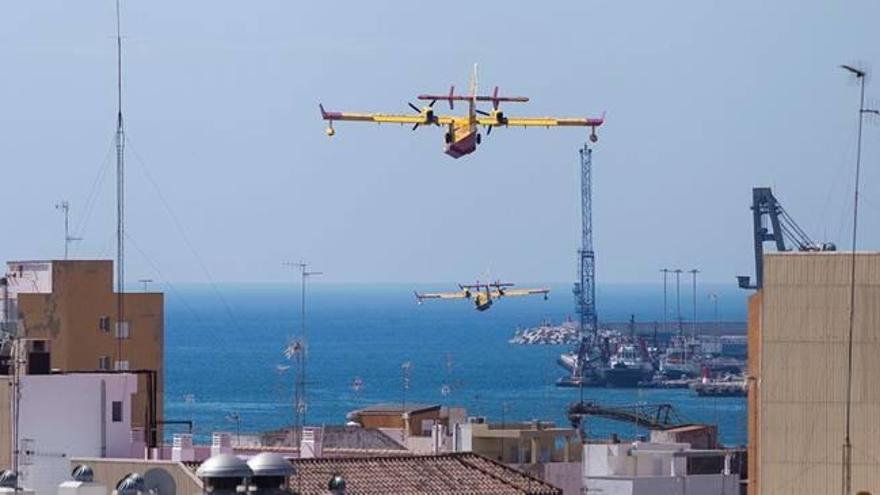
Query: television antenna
(64, 206)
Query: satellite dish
(157, 481)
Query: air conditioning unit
(476, 420)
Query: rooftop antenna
(64, 206)
(121, 326)
(847, 443)
(298, 350)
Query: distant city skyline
(229, 172)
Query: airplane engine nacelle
(499, 116)
(330, 131)
(429, 115)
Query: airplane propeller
(419, 110)
(486, 114)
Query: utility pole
(10, 332)
(694, 273)
(121, 324)
(64, 206)
(299, 350)
(847, 443)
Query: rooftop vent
(8, 479)
(224, 473)
(83, 473)
(133, 484)
(336, 486)
(271, 472)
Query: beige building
(798, 328)
(67, 312)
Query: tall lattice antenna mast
(585, 288)
(121, 325)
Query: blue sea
(225, 346)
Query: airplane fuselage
(462, 138)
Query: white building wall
(28, 277)
(648, 469)
(71, 415)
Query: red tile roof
(458, 473)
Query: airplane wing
(525, 292)
(540, 121)
(384, 118)
(420, 296)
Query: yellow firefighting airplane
(462, 132)
(482, 294)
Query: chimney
(312, 443)
(182, 449)
(221, 443)
(438, 438)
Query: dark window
(117, 411)
(39, 346)
(104, 324)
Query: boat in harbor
(677, 363)
(627, 368)
(728, 386)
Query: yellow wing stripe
(537, 122)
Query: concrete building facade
(798, 366)
(67, 312)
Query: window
(121, 366)
(104, 324)
(122, 330)
(104, 363)
(117, 411)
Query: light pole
(681, 339)
(665, 272)
(694, 273)
(847, 443)
(714, 298)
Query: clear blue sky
(705, 99)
